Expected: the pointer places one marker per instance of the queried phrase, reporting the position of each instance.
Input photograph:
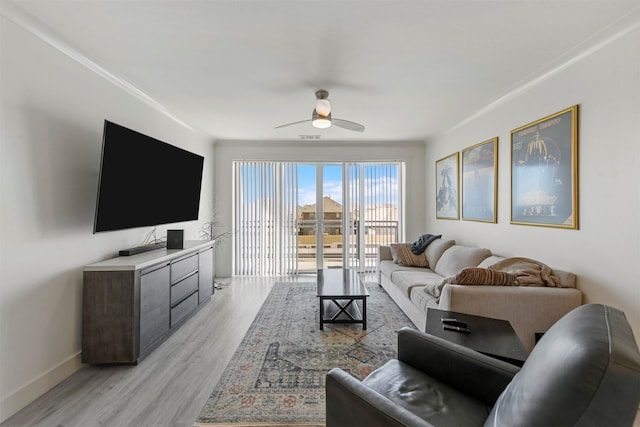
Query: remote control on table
(456, 328)
(454, 322)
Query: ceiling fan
(321, 116)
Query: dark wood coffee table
(339, 290)
(493, 337)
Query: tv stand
(131, 304)
(142, 249)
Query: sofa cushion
(402, 255)
(408, 279)
(475, 276)
(457, 257)
(435, 250)
(490, 261)
(423, 299)
(432, 400)
(388, 268)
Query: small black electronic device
(456, 328)
(454, 322)
(175, 239)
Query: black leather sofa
(585, 371)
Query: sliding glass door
(373, 205)
(265, 218)
(295, 217)
(330, 209)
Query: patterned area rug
(277, 375)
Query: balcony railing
(304, 249)
(376, 233)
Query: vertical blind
(265, 217)
(374, 208)
(266, 214)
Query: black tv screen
(144, 181)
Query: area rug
(277, 375)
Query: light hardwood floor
(168, 388)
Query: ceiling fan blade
(321, 116)
(294, 123)
(346, 124)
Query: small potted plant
(215, 230)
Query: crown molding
(16, 14)
(603, 38)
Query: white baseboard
(26, 394)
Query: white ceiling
(404, 69)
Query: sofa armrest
(384, 253)
(351, 403)
(473, 373)
(529, 309)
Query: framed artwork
(447, 187)
(480, 181)
(544, 171)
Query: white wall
(605, 251)
(50, 142)
(312, 151)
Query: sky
(385, 181)
(332, 183)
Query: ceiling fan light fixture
(320, 121)
(323, 107)
(321, 116)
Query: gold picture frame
(479, 182)
(544, 171)
(447, 190)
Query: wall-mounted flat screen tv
(144, 181)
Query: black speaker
(175, 239)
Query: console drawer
(183, 267)
(183, 288)
(184, 309)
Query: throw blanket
(529, 272)
(423, 241)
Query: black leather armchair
(585, 371)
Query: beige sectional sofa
(530, 309)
